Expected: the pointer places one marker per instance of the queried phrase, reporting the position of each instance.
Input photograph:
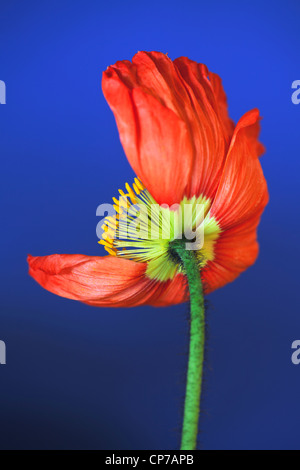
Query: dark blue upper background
(86, 378)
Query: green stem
(196, 350)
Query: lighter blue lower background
(84, 378)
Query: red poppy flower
(174, 126)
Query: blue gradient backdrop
(84, 378)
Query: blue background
(84, 378)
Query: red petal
(171, 292)
(207, 86)
(219, 99)
(103, 281)
(235, 251)
(212, 127)
(242, 193)
(155, 139)
(171, 124)
(165, 158)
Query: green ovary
(163, 268)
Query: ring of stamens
(126, 232)
(111, 223)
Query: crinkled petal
(211, 126)
(242, 193)
(171, 292)
(235, 251)
(156, 141)
(104, 281)
(172, 124)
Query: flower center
(142, 230)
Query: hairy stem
(196, 349)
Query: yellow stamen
(105, 244)
(111, 233)
(123, 202)
(110, 218)
(118, 209)
(111, 222)
(111, 252)
(136, 189)
(131, 193)
(108, 231)
(107, 239)
(139, 184)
